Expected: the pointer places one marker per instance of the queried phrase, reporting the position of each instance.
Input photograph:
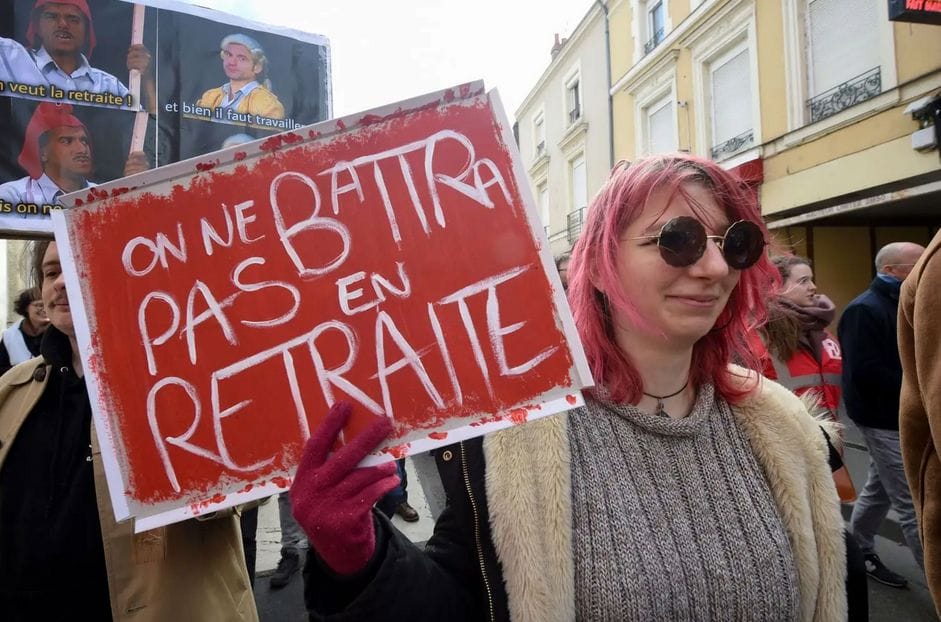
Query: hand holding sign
(332, 499)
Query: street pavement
(886, 604)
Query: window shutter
(731, 98)
(844, 41)
(661, 136)
(544, 204)
(579, 183)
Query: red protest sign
(393, 260)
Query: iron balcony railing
(573, 225)
(733, 145)
(855, 91)
(654, 41)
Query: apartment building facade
(814, 103)
(564, 130)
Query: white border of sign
(551, 402)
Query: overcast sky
(387, 50)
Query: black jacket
(456, 578)
(872, 372)
(52, 560)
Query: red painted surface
(438, 436)
(519, 415)
(281, 482)
(398, 451)
(571, 399)
(477, 242)
(239, 156)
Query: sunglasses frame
(719, 240)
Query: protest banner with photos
(91, 90)
(393, 258)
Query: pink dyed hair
(618, 204)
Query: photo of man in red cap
(60, 41)
(56, 154)
(58, 157)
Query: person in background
(562, 266)
(797, 351)
(20, 341)
(671, 495)
(62, 555)
(396, 501)
(920, 403)
(872, 380)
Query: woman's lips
(696, 301)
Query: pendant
(660, 410)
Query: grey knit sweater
(673, 519)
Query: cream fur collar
(529, 494)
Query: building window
(579, 183)
(542, 194)
(656, 25)
(539, 135)
(843, 50)
(579, 197)
(573, 99)
(659, 127)
(731, 99)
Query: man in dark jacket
(872, 380)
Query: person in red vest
(798, 352)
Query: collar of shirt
(50, 191)
(239, 94)
(44, 61)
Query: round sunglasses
(682, 241)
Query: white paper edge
(169, 517)
(548, 263)
(116, 485)
(219, 16)
(468, 431)
(40, 225)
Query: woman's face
(682, 304)
(799, 286)
(36, 315)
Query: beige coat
(194, 570)
(920, 402)
(531, 516)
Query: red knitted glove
(332, 499)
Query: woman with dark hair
(685, 489)
(20, 341)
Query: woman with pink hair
(685, 489)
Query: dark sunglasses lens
(682, 241)
(744, 244)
